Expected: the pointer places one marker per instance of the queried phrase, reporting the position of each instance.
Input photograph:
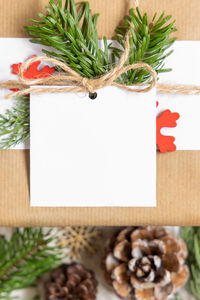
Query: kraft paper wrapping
(178, 174)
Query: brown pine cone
(71, 282)
(145, 263)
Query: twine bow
(71, 81)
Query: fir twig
(149, 43)
(191, 235)
(26, 256)
(14, 124)
(72, 31)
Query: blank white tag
(98, 152)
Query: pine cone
(145, 263)
(71, 282)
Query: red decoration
(32, 72)
(166, 119)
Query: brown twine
(71, 81)
(178, 89)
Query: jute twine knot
(71, 81)
(87, 85)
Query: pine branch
(24, 258)
(72, 31)
(14, 124)
(191, 235)
(149, 43)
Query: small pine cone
(71, 282)
(145, 263)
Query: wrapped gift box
(178, 173)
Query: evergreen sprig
(191, 235)
(14, 124)
(69, 32)
(72, 31)
(27, 255)
(149, 43)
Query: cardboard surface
(178, 174)
(178, 196)
(15, 14)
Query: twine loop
(71, 81)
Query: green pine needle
(191, 235)
(177, 296)
(149, 44)
(14, 124)
(24, 258)
(69, 33)
(72, 31)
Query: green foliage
(24, 258)
(72, 31)
(37, 297)
(149, 43)
(191, 235)
(14, 124)
(177, 297)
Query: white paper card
(98, 152)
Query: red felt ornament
(166, 119)
(32, 72)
